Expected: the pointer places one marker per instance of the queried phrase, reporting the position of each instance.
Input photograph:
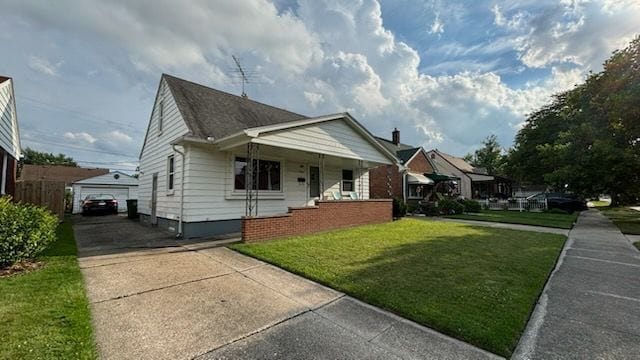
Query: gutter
(179, 235)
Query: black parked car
(102, 203)
(562, 201)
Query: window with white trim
(416, 191)
(347, 180)
(160, 116)
(268, 174)
(170, 172)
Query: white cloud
(43, 66)
(80, 137)
(313, 98)
(437, 27)
(329, 55)
(576, 32)
(119, 136)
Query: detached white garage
(118, 184)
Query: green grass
(44, 314)
(554, 220)
(628, 220)
(477, 284)
(599, 203)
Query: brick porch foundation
(325, 215)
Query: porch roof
(441, 177)
(415, 178)
(480, 177)
(366, 147)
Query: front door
(314, 182)
(154, 198)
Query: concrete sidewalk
(186, 301)
(497, 225)
(590, 308)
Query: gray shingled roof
(210, 112)
(406, 154)
(393, 147)
(463, 165)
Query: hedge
(399, 208)
(471, 206)
(449, 207)
(25, 231)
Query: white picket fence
(518, 204)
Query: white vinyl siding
(209, 186)
(156, 149)
(9, 135)
(335, 138)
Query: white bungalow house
(10, 150)
(209, 158)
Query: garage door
(121, 194)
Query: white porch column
(321, 175)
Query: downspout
(179, 235)
(404, 186)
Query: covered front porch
(317, 170)
(487, 187)
(263, 173)
(301, 162)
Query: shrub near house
(25, 231)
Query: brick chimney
(395, 136)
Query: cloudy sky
(446, 73)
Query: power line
(64, 145)
(80, 148)
(85, 116)
(126, 163)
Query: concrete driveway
(155, 298)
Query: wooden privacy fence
(49, 194)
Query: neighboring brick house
(68, 174)
(409, 182)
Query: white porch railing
(515, 204)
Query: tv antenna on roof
(243, 75)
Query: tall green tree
(489, 156)
(35, 157)
(587, 140)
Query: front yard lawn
(599, 203)
(628, 220)
(554, 220)
(474, 283)
(44, 314)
